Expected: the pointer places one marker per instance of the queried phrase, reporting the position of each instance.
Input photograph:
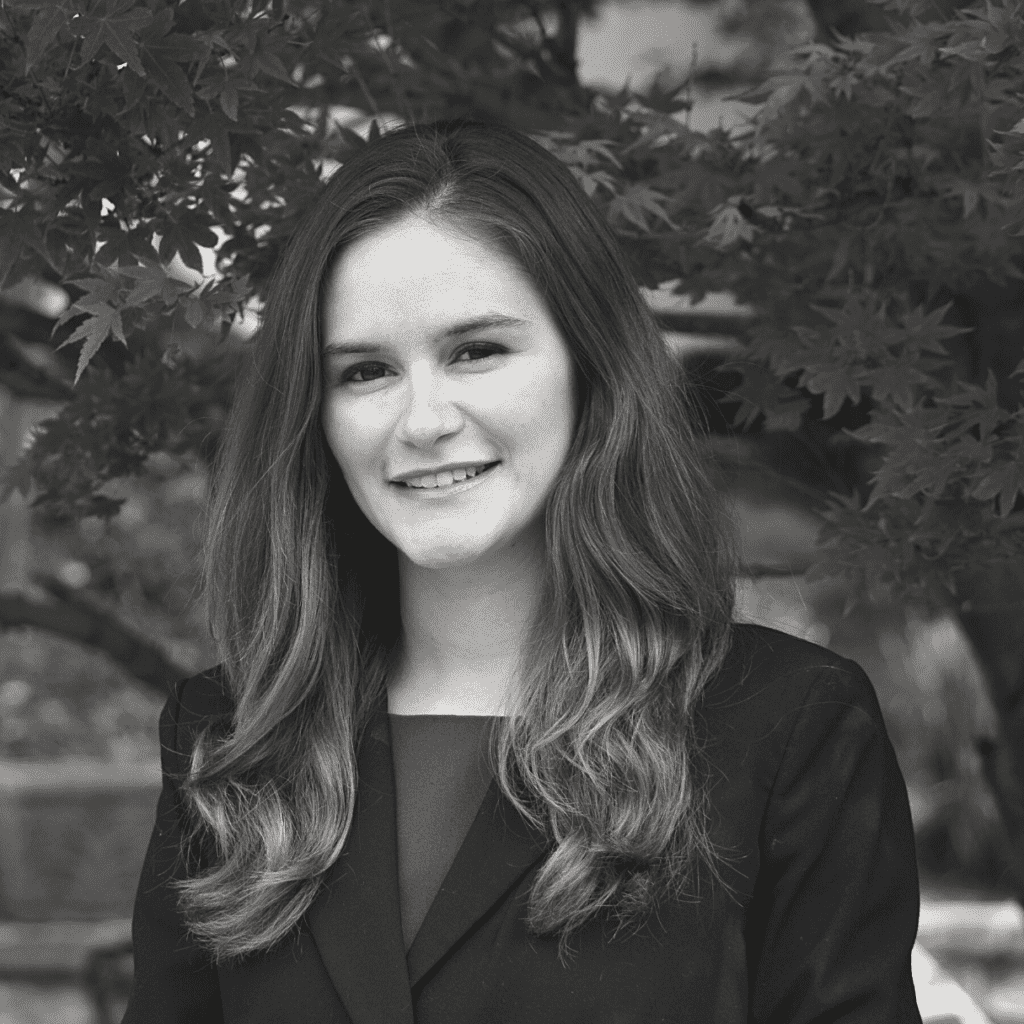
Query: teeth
(446, 478)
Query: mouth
(445, 483)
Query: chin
(442, 559)
(445, 554)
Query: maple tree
(871, 214)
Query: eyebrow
(477, 323)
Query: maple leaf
(637, 200)
(981, 405)
(164, 51)
(115, 25)
(969, 450)
(229, 101)
(97, 290)
(927, 100)
(919, 45)
(835, 383)
(591, 181)
(226, 298)
(45, 30)
(18, 234)
(271, 64)
(151, 281)
(762, 392)
(583, 153)
(1006, 480)
(184, 238)
(969, 49)
(929, 477)
(195, 311)
(665, 98)
(895, 381)
(925, 333)
(729, 226)
(102, 322)
(658, 129)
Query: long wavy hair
(600, 747)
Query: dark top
(805, 793)
(441, 776)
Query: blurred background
(79, 758)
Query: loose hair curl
(600, 748)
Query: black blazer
(806, 792)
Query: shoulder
(781, 701)
(781, 713)
(193, 703)
(771, 675)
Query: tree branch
(73, 617)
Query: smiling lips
(446, 478)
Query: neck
(462, 631)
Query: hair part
(600, 748)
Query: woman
(485, 745)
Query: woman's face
(424, 388)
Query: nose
(428, 414)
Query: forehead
(418, 273)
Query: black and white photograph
(511, 512)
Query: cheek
(543, 414)
(349, 437)
(557, 414)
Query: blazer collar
(356, 920)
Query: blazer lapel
(499, 849)
(355, 918)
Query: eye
(479, 350)
(370, 371)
